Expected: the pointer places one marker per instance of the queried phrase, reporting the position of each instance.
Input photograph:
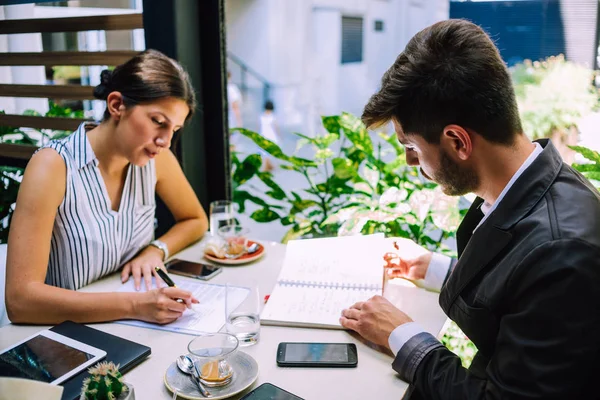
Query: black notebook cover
(120, 351)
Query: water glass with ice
(243, 320)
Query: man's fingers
(351, 313)
(358, 305)
(349, 323)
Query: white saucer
(245, 373)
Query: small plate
(246, 258)
(245, 373)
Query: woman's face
(147, 129)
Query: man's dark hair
(449, 73)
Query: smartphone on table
(192, 269)
(342, 355)
(268, 391)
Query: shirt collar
(487, 208)
(84, 153)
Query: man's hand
(411, 260)
(374, 319)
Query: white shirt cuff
(436, 272)
(403, 334)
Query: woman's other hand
(143, 266)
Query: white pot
(129, 395)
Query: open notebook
(321, 277)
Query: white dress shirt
(439, 264)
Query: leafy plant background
(10, 177)
(353, 184)
(553, 94)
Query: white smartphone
(48, 357)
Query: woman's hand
(143, 265)
(160, 305)
(408, 260)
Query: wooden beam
(27, 121)
(52, 58)
(73, 24)
(16, 151)
(74, 92)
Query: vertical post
(193, 32)
(243, 77)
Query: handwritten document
(207, 316)
(321, 277)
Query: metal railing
(246, 70)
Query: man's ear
(457, 140)
(115, 105)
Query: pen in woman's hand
(167, 279)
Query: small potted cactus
(106, 383)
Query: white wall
(296, 45)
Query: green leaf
(276, 191)
(332, 124)
(587, 153)
(356, 132)
(594, 175)
(301, 205)
(264, 215)
(343, 168)
(247, 169)
(273, 149)
(586, 167)
(296, 232)
(241, 196)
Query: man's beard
(454, 179)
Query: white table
(372, 379)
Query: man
(526, 286)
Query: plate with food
(217, 253)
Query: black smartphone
(192, 269)
(317, 355)
(268, 391)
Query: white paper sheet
(207, 316)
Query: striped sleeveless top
(89, 239)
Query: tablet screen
(42, 359)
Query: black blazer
(526, 291)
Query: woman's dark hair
(147, 77)
(449, 73)
(269, 105)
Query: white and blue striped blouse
(89, 239)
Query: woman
(86, 205)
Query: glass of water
(242, 312)
(221, 214)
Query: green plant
(457, 342)
(66, 72)
(10, 177)
(105, 383)
(590, 170)
(354, 184)
(553, 94)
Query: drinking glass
(210, 353)
(221, 214)
(242, 315)
(236, 240)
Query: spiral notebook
(321, 277)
